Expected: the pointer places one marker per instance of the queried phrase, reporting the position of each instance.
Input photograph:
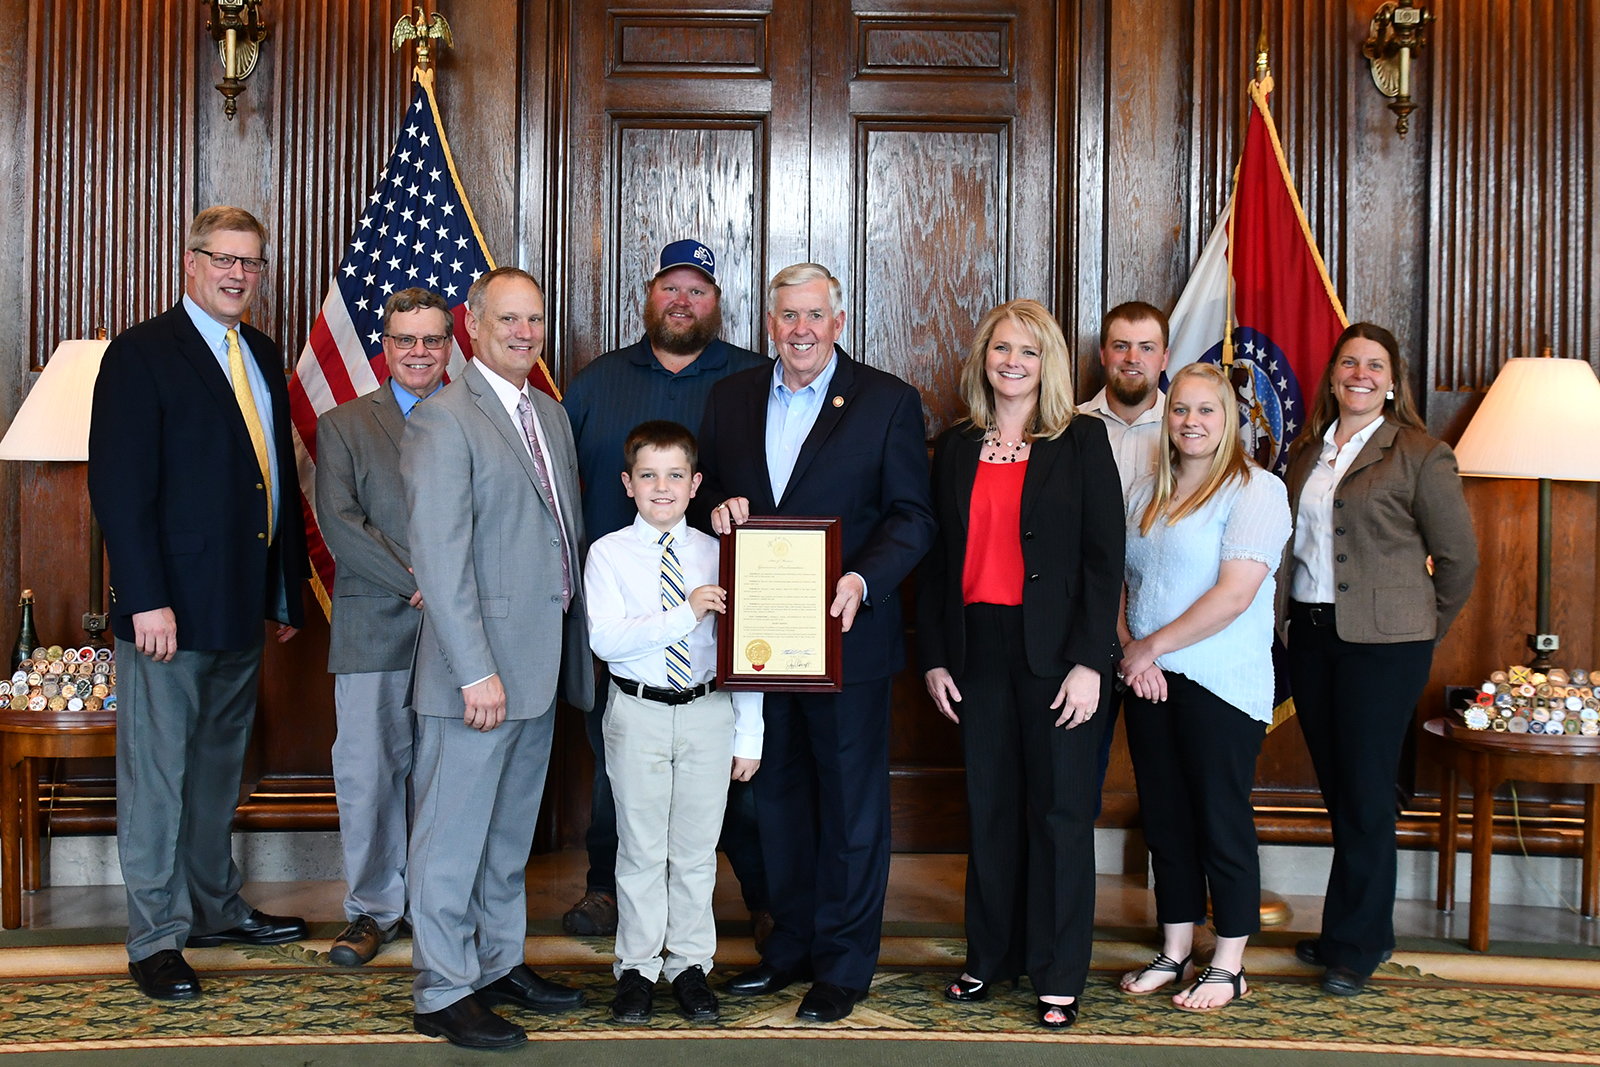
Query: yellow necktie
(252, 418)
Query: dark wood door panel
(685, 123)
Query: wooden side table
(24, 737)
(1486, 759)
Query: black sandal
(1218, 976)
(1068, 1014)
(966, 990)
(1162, 964)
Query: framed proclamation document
(777, 635)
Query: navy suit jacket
(174, 482)
(865, 461)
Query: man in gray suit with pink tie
(496, 538)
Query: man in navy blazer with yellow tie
(821, 434)
(192, 476)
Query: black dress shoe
(1343, 982)
(520, 986)
(764, 979)
(259, 929)
(469, 1024)
(825, 1002)
(1058, 1016)
(696, 1002)
(165, 976)
(634, 1000)
(1309, 950)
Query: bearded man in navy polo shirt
(667, 374)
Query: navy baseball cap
(689, 254)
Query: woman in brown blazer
(1017, 639)
(1381, 562)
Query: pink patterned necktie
(547, 490)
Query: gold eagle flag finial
(419, 27)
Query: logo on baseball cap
(689, 254)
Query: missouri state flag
(1259, 301)
(416, 230)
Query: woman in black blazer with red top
(1016, 631)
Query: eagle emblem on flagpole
(419, 27)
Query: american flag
(416, 230)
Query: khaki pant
(669, 769)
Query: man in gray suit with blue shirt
(496, 538)
(361, 509)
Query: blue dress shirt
(406, 398)
(790, 415)
(216, 338)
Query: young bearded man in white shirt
(1133, 351)
(671, 740)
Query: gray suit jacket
(487, 554)
(361, 508)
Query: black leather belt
(663, 696)
(1315, 614)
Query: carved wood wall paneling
(900, 134)
(702, 183)
(338, 100)
(480, 102)
(1147, 253)
(1081, 138)
(111, 193)
(683, 124)
(1513, 262)
(932, 250)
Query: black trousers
(1194, 756)
(1031, 790)
(1355, 705)
(822, 800)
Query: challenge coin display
(1555, 704)
(63, 680)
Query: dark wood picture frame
(832, 680)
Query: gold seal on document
(758, 652)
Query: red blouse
(992, 572)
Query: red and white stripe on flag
(416, 230)
(1259, 299)
(1261, 283)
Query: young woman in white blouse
(1383, 560)
(1204, 536)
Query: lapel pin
(838, 401)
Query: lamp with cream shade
(1540, 419)
(53, 426)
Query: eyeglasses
(223, 261)
(405, 342)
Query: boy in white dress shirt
(670, 739)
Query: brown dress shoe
(593, 916)
(360, 941)
(762, 925)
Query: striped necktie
(252, 418)
(673, 594)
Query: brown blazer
(1399, 503)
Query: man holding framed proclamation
(820, 435)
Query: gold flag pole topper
(424, 30)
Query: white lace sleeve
(1259, 523)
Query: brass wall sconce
(238, 29)
(1396, 38)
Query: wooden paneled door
(908, 146)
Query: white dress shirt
(1312, 582)
(510, 395)
(1133, 443)
(630, 630)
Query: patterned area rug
(1512, 1008)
